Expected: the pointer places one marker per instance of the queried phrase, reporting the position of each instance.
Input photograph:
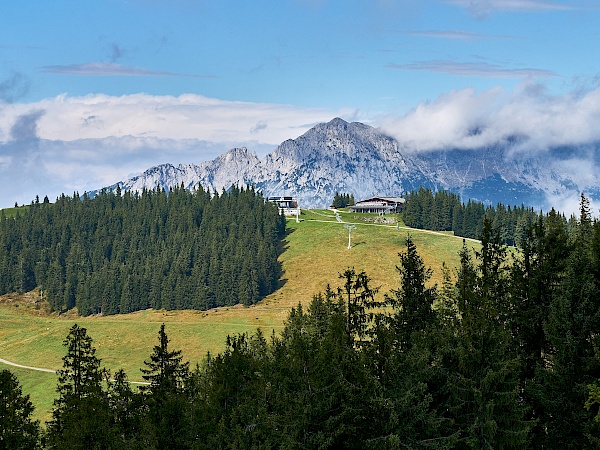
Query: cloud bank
(562, 131)
(187, 116)
(67, 144)
(527, 116)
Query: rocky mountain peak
(359, 159)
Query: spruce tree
(412, 303)
(165, 372)
(237, 399)
(18, 431)
(359, 299)
(125, 411)
(572, 332)
(408, 371)
(80, 418)
(536, 275)
(166, 422)
(484, 391)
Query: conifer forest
(503, 354)
(123, 252)
(444, 211)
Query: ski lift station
(287, 205)
(379, 205)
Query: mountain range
(362, 160)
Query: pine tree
(413, 302)
(572, 332)
(166, 424)
(80, 418)
(359, 298)
(18, 431)
(535, 276)
(239, 389)
(337, 200)
(484, 391)
(405, 348)
(333, 381)
(125, 411)
(165, 371)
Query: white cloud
(562, 130)
(188, 116)
(33, 167)
(67, 144)
(470, 119)
(260, 125)
(568, 203)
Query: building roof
(382, 199)
(281, 197)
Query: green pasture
(12, 212)
(315, 254)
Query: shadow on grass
(284, 245)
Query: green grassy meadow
(315, 254)
(12, 212)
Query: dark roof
(382, 199)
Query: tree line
(123, 252)
(444, 211)
(502, 355)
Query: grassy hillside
(316, 252)
(12, 212)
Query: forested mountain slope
(122, 253)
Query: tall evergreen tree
(80, 418)
(165, 372)
(573, 321)
(412, 303)
(125, 407)
(167, 419)
(536, 274)
(18, 430)
(359, 299)
(484, 391)
(405, 349)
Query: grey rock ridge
(362, 160)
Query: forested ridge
(123, 252)
(444, 211)
(502, 355)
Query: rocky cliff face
(359, 159)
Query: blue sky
(93, 91)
